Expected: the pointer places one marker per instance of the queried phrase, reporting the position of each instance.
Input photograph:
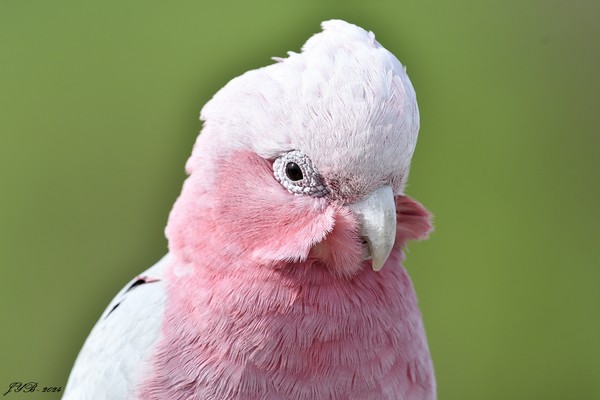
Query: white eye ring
(310, 182)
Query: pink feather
(259, 315)
(266, 293)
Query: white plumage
(116, 350)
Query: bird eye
(295, 171)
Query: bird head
(305, 160)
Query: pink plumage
(270, 289)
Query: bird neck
(246, 329)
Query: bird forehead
(345, 101)
(269, 114)
(356, 167)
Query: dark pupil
(293, 171)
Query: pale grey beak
(376, 214)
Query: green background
(99, 106)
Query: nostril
(366, 251)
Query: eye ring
(295, 171)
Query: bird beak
(376, 214)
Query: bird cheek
(291, 237)
(341, 249)
(260, 218)
(413, 221)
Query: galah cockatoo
(283, 278)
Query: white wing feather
(120, 343)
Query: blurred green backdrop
(99, 106)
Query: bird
(283, 277)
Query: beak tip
(377, 265)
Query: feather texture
(266, 293)
(256, 319)
(112, 358)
